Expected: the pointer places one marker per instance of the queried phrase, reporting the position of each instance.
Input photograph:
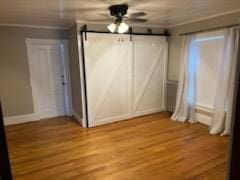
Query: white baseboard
(77, 116)
(204, 119)
(12, 120)
(206, 116)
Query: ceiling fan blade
(105, 15)
(138, 20)
(97, 20)
(137, 14)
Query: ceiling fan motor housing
(118, 10)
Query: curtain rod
(210, 29)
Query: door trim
(66, 70)
(5, 167)
(81, 52)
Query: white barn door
(150, 57)
(108, 65)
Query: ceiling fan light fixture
(119, 15)
(123, 27)
(112, 27)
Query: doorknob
(63, 80)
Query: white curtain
(222, 113)
(186, 94)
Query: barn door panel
(108, 77)
(150, 55)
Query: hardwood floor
(150, 147)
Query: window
(209, 51)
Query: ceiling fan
(120, 17)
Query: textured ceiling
(64, 12)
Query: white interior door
(150, 55)
(48, 79)
(108, 59)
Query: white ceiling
(63, 13)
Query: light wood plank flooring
(150, 147)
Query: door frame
(234, 145)
(5, 166)
(66, 70)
